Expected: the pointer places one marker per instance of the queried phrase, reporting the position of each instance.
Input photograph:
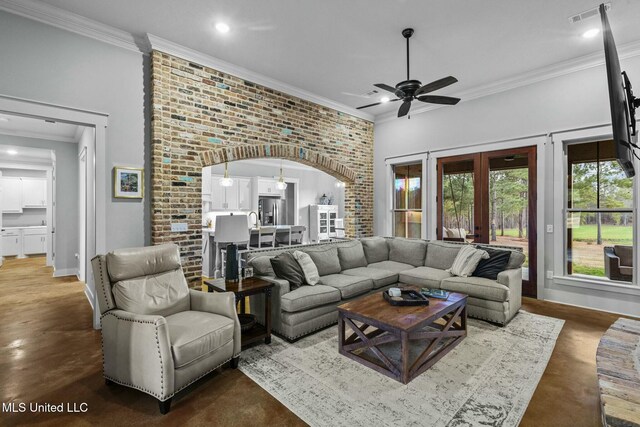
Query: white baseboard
(65, 272)
(89, 295)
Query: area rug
(487, 380)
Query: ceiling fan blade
(435, 99)
(376, 103)
(438, 84)
(397, 92)
(404, 108)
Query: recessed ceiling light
(222, 27)
(12, 152)
(589, 34)
(3, 119)
(384, 99)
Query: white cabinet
(11, 243)
(267, 187)
(34, 193)
(11, 195)
(217, 194)
(34, 241)
(322, 222)
(206, 185)
(244, 194)
(24, 241)
(231, 196)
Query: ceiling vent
(587, 14)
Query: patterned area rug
(487, 380)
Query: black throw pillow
(287, 268)
(497, 262)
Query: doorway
(490, 198)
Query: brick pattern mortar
(202, 117)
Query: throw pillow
(496, 263)
(352, 256)
(467, 260)
(309, 269)
(287, 268)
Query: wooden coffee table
(374, 323)
(244, 288)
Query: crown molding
(558, 69)
(69, 21)
(166, 46)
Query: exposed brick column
(203, 117)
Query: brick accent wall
(202, 117)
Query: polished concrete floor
(50, 354)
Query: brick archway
(305, 156)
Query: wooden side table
(244, 288)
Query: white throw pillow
(309, 268)
(467, 260)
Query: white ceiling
(38, 128)
(334, 48)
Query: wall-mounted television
(621, 99)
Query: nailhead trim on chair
(104, 291)
(158, 347)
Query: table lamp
(232, 229)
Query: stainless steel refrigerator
(272, 211)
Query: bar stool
(266, 238)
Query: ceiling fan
(408, 90)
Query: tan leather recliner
(159, 336)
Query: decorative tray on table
(408, 297)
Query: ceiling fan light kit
(408, 90)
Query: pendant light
(339, 184)
(281, 185)
(226, 181)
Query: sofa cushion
(286, 267)
(440, 255)
(162, 294)
(467, 260)
(380, 277)
(477, 287)
(375, 249)
(352, 256)
(515, 260)
(497, 262)
(424, 276)
(196, 334)
(349, 286)
(306, 297)
(325, 258)
(309, 269)
(262, 265)
(393, 266)
(408, 251)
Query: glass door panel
(407, 203)
(458, 198)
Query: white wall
(66, 222)
(575, 100)
(47, 64)
(312, 183)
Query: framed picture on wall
(128, 183)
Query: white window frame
(399, 161)
(560, 169)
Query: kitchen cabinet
(22, 241)
(11, 194)
(231, 196)
(267, 187)
(206, 185)
(217, 194)
(11, 243)
(34, 193)
(322, 222)
(244, 194)
(34, 241)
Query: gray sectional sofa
(354, 268)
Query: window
(599, 215)
(407, 200)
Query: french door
(490, 198)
